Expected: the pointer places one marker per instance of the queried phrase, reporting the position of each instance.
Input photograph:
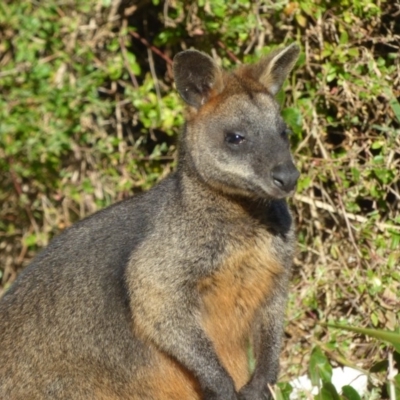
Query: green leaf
(328, 392)
(374, 319)
(397, 386)
(293, 118)
(283, 391)
(319, 369)
(387, 336)
(396, 108)
(344, 37)
(349, 393)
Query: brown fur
(230, 300)
(169, 380)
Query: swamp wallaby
(161, 296)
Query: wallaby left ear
(197, 77)
(272, 70)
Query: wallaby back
(161, 296)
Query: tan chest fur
(231, 298)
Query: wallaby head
(235, 139)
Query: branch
(358, 218)
(151, 47)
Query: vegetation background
(89, 116)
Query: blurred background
(89, 116)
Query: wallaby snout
(285, 176)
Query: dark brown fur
(160, 296)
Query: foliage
(322, 379)
(391, 337)
(89, 116)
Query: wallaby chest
(232, 295)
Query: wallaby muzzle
(285, 176)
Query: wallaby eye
(234, 138)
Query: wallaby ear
(272, 70)
(197, 77)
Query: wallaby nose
(285, 176)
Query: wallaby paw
(250, 392)
(227, 393)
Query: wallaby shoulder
(79, 304)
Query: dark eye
(234, 138)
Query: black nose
(285, 176)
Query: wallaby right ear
(197, 77)
(272, 70)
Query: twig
(230, 54)
(392, 372)
(155, 80)
(272, 391)
(112, 16)
(314, 132)
(167, 19)
(22, 253)
(349, 227)
(125, 57)
(358, 218)
(21, 68)
(346, 219)
(151, 47)
(255, 36)
(121, 143)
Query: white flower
(340, 377)
(302, 385)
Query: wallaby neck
(197, 194)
